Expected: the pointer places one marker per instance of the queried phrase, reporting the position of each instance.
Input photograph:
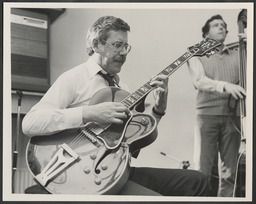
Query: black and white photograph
(127, 101)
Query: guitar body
(103, 162)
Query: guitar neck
(144, 90)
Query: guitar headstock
(206, 47)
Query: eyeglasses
(120, 46)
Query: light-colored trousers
(217, 133)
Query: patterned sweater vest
(221, 67)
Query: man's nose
(221, 27)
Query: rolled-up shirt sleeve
(200, 80)
(52, 113)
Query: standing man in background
(216, 78)
(66, 105)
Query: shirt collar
(225, 49)
(93, 67)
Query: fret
(129, 104)
(139, 93)
(177, 62)
(147, 86)
(126, 103)
(165, 72)
(187, 55)
(136, 96)
(169, 69)
(173, 66)
(143, 89)
(184, 58)
(131, 99)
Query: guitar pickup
(58, 163)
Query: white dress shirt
(61, 107)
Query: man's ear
(95, 45)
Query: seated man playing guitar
(70, 103)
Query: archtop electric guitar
(95, 158)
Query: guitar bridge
(58, 163)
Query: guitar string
(78, 139)
(75, 141)
(93, 131)
(81, 136)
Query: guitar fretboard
(144, 90)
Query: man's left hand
(160, 92)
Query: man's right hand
(105, 113)
(235, 90)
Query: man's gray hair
(100, 30)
